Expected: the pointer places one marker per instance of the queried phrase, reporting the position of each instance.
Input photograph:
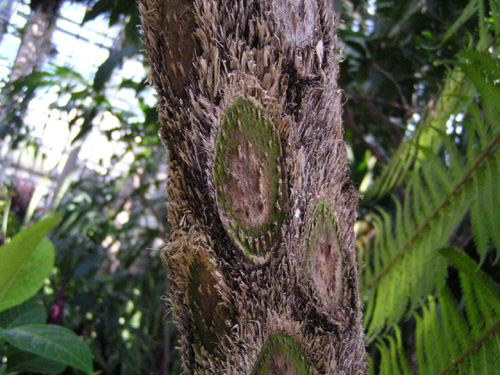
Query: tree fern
(449, 340)
(402, 269)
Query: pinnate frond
(451, 339)
(403, 268)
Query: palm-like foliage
(447, 173)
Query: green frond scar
(281, 355)
(249, 174)
(324, 258)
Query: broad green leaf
(15, 256)
(29, 312)
(28, 362)
(30, 277)
(52, 342)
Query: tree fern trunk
(261, 251)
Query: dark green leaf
(52, 342)
(30, 312)
(468, 12)
(24, 361)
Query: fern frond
(483, 70)
(485, 63)
(449, 101)
(447, 340)
(402, 270)
(392, 356)
(409, 151)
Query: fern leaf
(405, 258)
(426, 135)
(488, 65)
(438, 195)
(393, 359)
(479, 231)
(455, 329)
(482, 304)
(447, 341)
(488, 91)
(483, 28)
(467, 266)
(449, 102)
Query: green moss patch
(249, 178)
(281, 355)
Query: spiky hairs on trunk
(261, 253)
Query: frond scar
(324, 258)
(179, 49)
(281, 355)
(249, 175)
(208, 310)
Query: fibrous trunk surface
(261, 250)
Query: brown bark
(261, 250)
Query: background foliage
(421, 117)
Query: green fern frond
(402, 269)
(485, 63)
(408, 154)
(392, 355)
(484, 75)
(447, 340)
(454, 91)
(483, 70)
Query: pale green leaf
(481, 280)
(30, 277)
(15, 256)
